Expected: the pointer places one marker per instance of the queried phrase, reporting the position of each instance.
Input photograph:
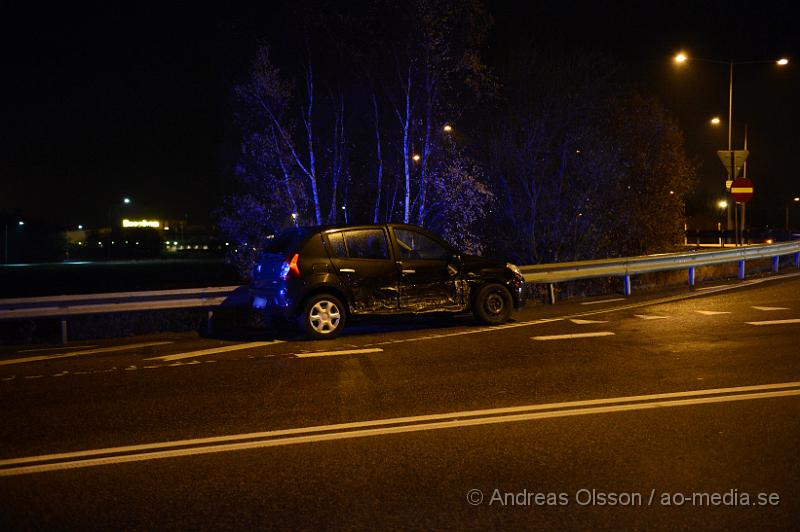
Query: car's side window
(337, 245)
(414, 245)
(366, 244)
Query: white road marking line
(631, 306)
(603, 301)
(572, 336)
(78, 353)
(39, 349)
(95, 457)
(773, 322)
(700, 288)
(586, 322)
(476, 330)
(337, 353)
(711, 312)
(215, 350)
(650, 317)
(768, 309)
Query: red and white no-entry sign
(742, 190)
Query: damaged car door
(361, 258)
(428, 273)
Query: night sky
(101, 102)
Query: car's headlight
(513, 268)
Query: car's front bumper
(519, 290)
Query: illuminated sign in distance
(141, 223)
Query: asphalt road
(669, 411)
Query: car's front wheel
(323, 316)
(492, 304)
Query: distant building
(145, 238)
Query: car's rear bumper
(272, 302)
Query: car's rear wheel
(492, 304)
(323, 316)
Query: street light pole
(788, 204)
(732, 171)
(744, 205)
(682, 58)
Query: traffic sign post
(733, 159)
(742, 190)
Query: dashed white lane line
(650, 317)
(769, 309)
(382, 427)
(215, 350)
(476, 330)
(79, 353)
(572, 336)
(712, 312)
(603, 301)
(588, 312)
(43, 349)
(773, 322)
(586, 322)
(338, 353)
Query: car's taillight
(289, 268)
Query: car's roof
(339, 227)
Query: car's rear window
(337, 245)
(359, 244)
(289, 240)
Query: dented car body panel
(374, 269)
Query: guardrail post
(775, 264)
(797, 260)
(551, 291)
(64, 330)
(691, 276)
(210, 323)
(742, 272)
(626, 285)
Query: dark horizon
(103, 103)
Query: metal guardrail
(627, 266)
(84, 304)
(214, 297)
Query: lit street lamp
(20, 223)
(447, 128)
(795, 200)
(126, 200)
(682, 57)
(715, 121)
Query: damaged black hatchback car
(320, 276)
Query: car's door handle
(347, 270)
(409, 271)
